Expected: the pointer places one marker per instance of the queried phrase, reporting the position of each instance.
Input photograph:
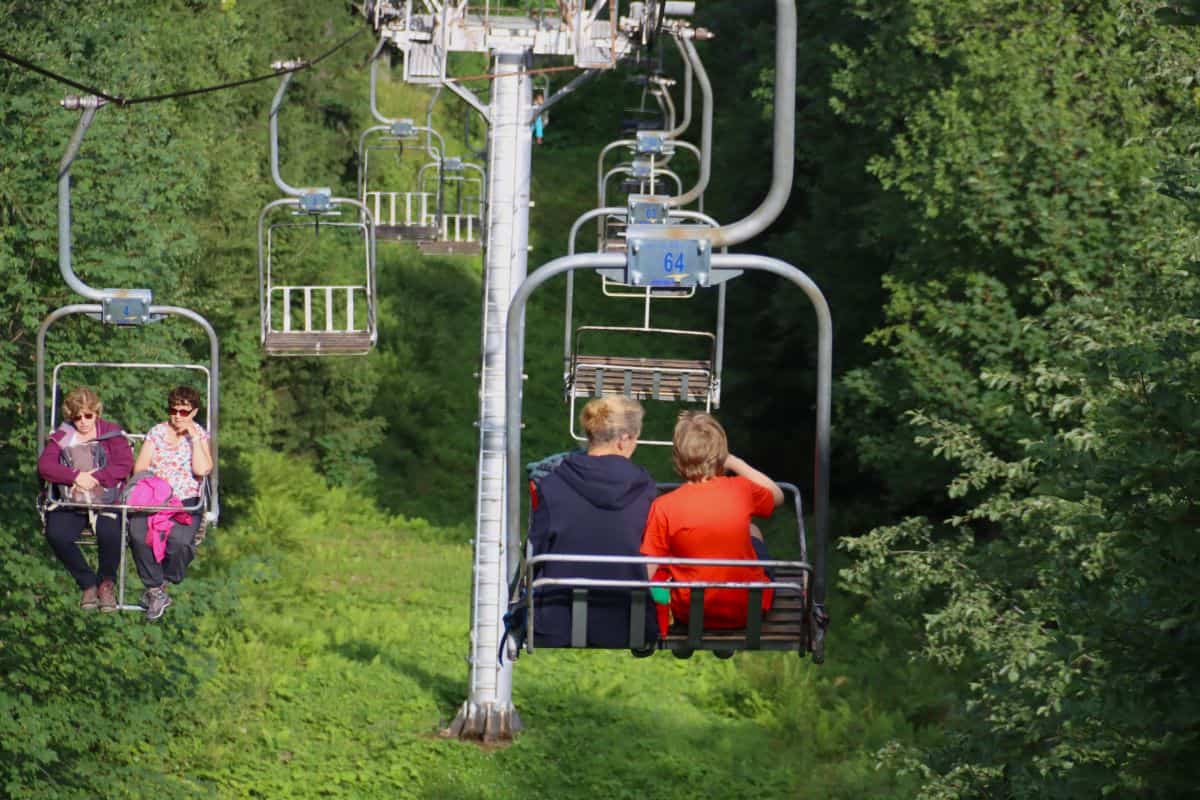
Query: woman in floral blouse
(176, 451)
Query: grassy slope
(351, 656)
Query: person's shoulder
(158, 431)
(107, 426)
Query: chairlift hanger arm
(784, 135)
(706, 126)
(274, 134)
(678, 131)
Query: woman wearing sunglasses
(176, 451)
(87, 458)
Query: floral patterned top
(174, 464)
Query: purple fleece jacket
(120, 457)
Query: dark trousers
(181, 548)
(63, 527)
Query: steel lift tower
(595, 35)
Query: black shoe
(722, 654)
(642, 652)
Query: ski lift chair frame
(678, 380)
(389, 226)
(315, 203)
(460, 233)
(400, 216)
(781, 627)
(209, 505)
(311, 337)
(811, 636)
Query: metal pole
(90, 107)
(784, 151)
(706, 126)
(676, 132)
(488, 712)
(274, 132)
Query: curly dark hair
(184, 394)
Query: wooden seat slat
(317, 343)
(642, 378)
(694, 364)
(405, 232)
(451, 248)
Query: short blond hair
(81, 399)
(606, 419)
(700, 446)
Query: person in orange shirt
(709, 517)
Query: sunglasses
(179, 412)
(84, 415)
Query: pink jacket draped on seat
(154, 491)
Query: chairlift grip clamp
(75, 102)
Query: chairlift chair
(785, 626)
(797, 621)
(690, 375)
(412, 214)
(207, 375)
(462, 232)
(302, 314)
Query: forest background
(998, 200)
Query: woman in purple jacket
(85, 457)
(594, 503)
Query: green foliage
(1035, 353)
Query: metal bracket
(641, 167)
(452, 164)
(648, 209)
(662, 255)
(653, 143)
(403, 128)
(315, 201)
(126, 307)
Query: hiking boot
(157, 602)
(108, 595)
(90, 599)
(144, 600)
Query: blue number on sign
(673, 263)
(126, 312)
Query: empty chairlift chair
(642, 361)
(462, 230)
(391, 163)
(316, 267)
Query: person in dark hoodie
(594, 503)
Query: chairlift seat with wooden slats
(782, 627)
(785, 627)
(449, 248)
(406, 233)
(318, 343)
(670, 379)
